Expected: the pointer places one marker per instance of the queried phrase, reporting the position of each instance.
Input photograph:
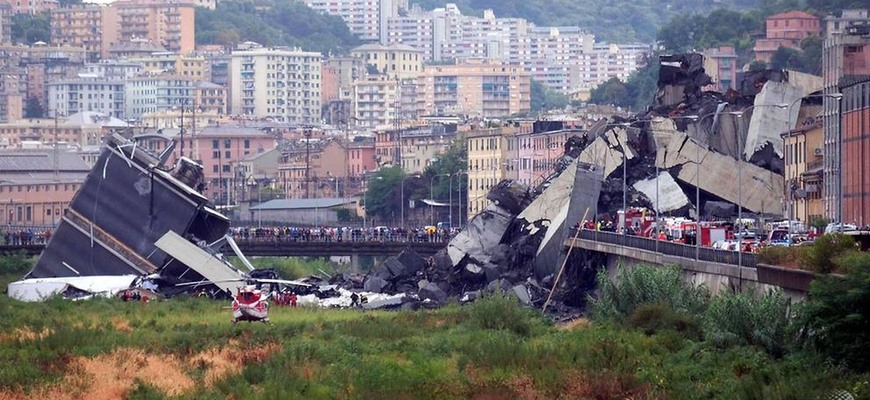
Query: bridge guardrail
(670, 248)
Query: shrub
(741, 318)
(834, 317)
(502, 311)
(821, 255)
(655, 318)
(780, 255)
(618, 298)
(15, 263)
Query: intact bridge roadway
(289, 248)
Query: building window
(247, 143)
(227, 154)
(215, 144)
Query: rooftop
(301, 204)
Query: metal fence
(671, 248)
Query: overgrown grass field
(492, 349)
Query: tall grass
(618, 298)
(741, 318)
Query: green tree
(757, 65)
(444, 172)
(383, 197)
(613, 92)
(545, 99)
(31, 28)
(812, 54)
(787, 58)
(835, 316)
(33, 108)
(273, 23)
(681, 34)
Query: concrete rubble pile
(725, 145)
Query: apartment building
(277, 83)
(376, 102)
(844, 61)
(38, 186)
(28, 6)
(169, 24)
(803, 158)
(483, 89)
(12, 91)
(487, 158)
(365, 18)
(112, 69)
(5, 24)
(222, 150)
(786, 30)
(40, 64)
(186, 65)
(856, 147)
(82, 26)
(98, 27)
(565, 59)
(721, 64)
(134, 48)
(70, 96)
(395, 61)
(81, 130)
(149, 94)
(413, 148)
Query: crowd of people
(26, 235)
(341, 234)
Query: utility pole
(182, 127)
(56, 150)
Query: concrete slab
(669, 195)
(768, 121)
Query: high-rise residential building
(395, 61)
(169, 24)
(70, 96)
(803, 159)
(365, 18)
(189, 65)
(786, 30)
(845, 61)
(97, 28)
(81, 26)
(41, 64)
(484, 89)
(721, 64)
(149, 94)
(376, 102)
(278, 83)
(5, 24)
(29, 6)
(856, 147)
(565, 59)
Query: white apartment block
(70, 96)
(365, 18)
(150, 94)
(565, 59)
(376, 102)
(112, 69)
(282, 84)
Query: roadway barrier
(670, 248)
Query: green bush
(656, 318)
(500, 311)
(618, 298)
(780, 255)
(16, 264)
(834, 317)
(820, 257)
(741, 318)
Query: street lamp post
(432, 197)
(459, 205)
(306, 131)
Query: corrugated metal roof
(297, 204)
(40, 160)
